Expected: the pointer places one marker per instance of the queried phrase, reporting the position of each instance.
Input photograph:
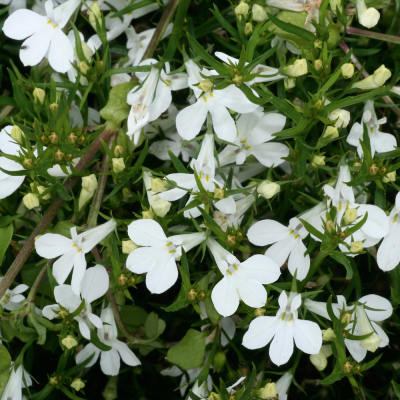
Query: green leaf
(312, 230)
(189, 352)
(132, 8)
(97, 342)
(177, 163)
(22, 101)
(396, 388)
(225, 24)
(342, 259)
(295, 30)
(250, 384)
(5, 239)
(206, 369)
(154, 326)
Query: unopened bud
(357, 164)
(330, 226)
(356, 247)
(94, 14)
(318, 161)
(242, 9)
(357, 369)
(118, 165)
(259, 13)
(16, 134)
(122, 279)
(219, 193)
(205, 85)
(215, 396)
(31, 201)
(231, 240)
(259, 312)
(289, 83)
(128, 246)
(350, 216)
(318, 44)
(44, 139)
(342, 118)
(298, 68)
(53, 138)
(237, 80)
(158, 185)
(248, 28)
(373, 169)
(268, 391)
(347, 70)
(239, 236)
(268, 189)
(192, 294)
(77, 384)
(89, 183)
(72, 137)
(59, 155)
(131, 281)
(345, 320)
(331, 132)
(83, 67)
(219, 361)
(118, 150)
(82, 139)
(201, 296)
(342, 235)
(41, 189)
(39, 95)
(328, 335)
(347, 367)
(53, 381)
(69, 342)
(63, 313)
(147, 215)
(100, 67)
(54, 107)
(390, 177)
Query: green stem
(373, 35)
(87, 91)
(49, 215)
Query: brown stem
(49, 215)
(365, 74)
(98, 197)
(373, 35)
(166, 18)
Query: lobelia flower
(367, 17)
(9, 183)
(109, 360)
(72, 251)
(45, 35)
(366, 321)
(283, 328)
(342, 197)
(18, 380)
(216, 102)
(388, 256)
(380, 142)
(158, 205)
(240, 280)
(204, 167)
(12, 299)
(158, 256)
(374, 81)
(93, 286)
(254, 130)
(286, 241)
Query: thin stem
(101, 185)
(166, 18)
(49, 215)
(373, 35)
(87, 91)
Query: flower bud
(201, 296)
(44, 139)
(259, 13)
(319, 360)
(347, 70)
(77, 384)
(268, 189)
(373, 169)
(367, 17)
(118, 165)
(215, 396)
(342, 118)
(94, 14)
(41, 189)
(390, 177)
(318, 64)
(158, 185)
(53, 138)
(331, 132)
(83, 67)
(205, 85)
(347, 367)
(69, 342)
(31, 201)
(53, 381)
(268, 391)
(357, 164)
(330, 226)
(371, 343)
(16, 134)
(219, 361)
(122, 279)
(259, 312)
(54, 107)
(298, 68)
(147, 215)
(39, 95)
(131, 281)
(318, 44)
(374, 81)
(89, 183)
(345, 319)
(350, 216)
(238, 79)
(242, 9)
(318, 161)
(357, 369)
(231, 240)
(192, 294)
(27, 163)
(289, 83)
(328, 335)
(87, 51)
(63, 314)
(248, 28)
(128, 246)
(219, 193)
(356, 247)
(118, 150)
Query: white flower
(157, 204)
(380, 142)
(204, 167)
(109, 360)
(389, 251)
(342, 118)
(45, 35)
(254, 130)
(72, 251)
(374, 81)
(12, 299)
(93, 286)
(360, 314)
(282, 385)
(157, 258)
(342, 197)
(287, 241)
(283, 328)
(367, 17)
(9, 184)
(240, 280)
(216, 102)
(13, 389)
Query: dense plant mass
(199, 200)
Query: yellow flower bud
(374, 81)
(77, 384)
(122, 279)
(345, 319)
(330, 226)
(31, 201)
(94, 13)
(242, 9)
(259, 312)
(356, 247)
(390, 177)
(259, 13)
(328, 335)
(83, 67)
(69, 342)
(118, 165)
(268, 189)
(147, 215)
(289, 83)
(342, 118)
(158, 185)
(16, 134)
(205, 85)
(268, 391)
(39, 95)
(128, 246)
(298, 68)
(318, 161)
(89, 183)
(350, 216)
(248, 28)
(369, 17)
(331, 132)
(318, 64)
(219, 193)
(347, 70)
(347, 367)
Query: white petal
(379, 303)
(381, 333)
(229, 327)
(143, 259)
(52, 245)
(225, 297)
(190, 120)
(297, 261)
(356, 133)
(110, 362)
(35, 48)
(49, 313)
(95, 320)
(377, 225)
(389, 251)
(10, 185)
(61, 52)
(94, 283)
(260, 333)
(223, 123)
(279, 252)
(23, 23)
(127, 355)
(307, 336)
(78, 272)
(63, 266)
(383, 141)
(267, 232)
(161, 277)
(355, 349)
(86, 353)
(252, 292)
(269, 154)
(174, 371)
(66, 297)
(233, 98)
(281, 348)
(266, 127)
(94, 236)
(227, 206)
(260, 268)
(147, 232)
(161, 102)
(85, 331)
(183, 180)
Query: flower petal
(389, 252)
(78, 272)
(379, 303)
(223, 123)
(260, 333)
(162, 276)
(281, 348)
(66, 297)
(61, 52)
(35, 48)
(23, 23)
(86, 353)
(307, 336)
(267, 232)
(225, 296)
(110, 362)
(84, 329)
(355, 349)
(297, 261)
(63, 266)
(269, 154)
(127, 355)
(260, 268)
(94, 283)
(190, 120)
(52, 245)
(147, 232)
(233, 98)
(144, 259)
(279, 252)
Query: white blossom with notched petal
(18, 379)
(72, 251)
(282, 330)
(12, 298)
